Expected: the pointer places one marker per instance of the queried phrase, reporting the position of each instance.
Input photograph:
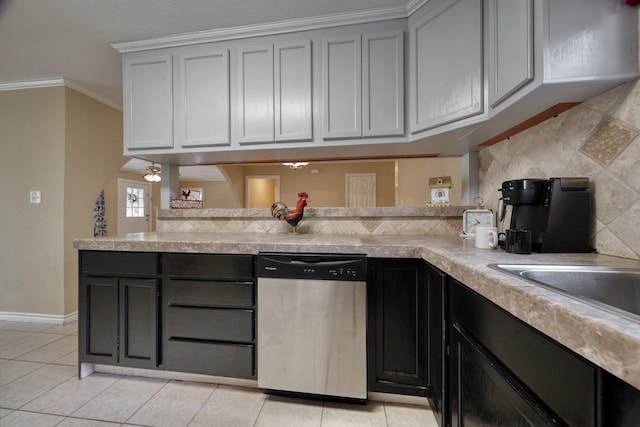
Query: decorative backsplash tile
(609, 140)
(410, 221)
(597, 139)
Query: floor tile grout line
(33, 349)
(147, 401)
(119, 377)
(46, 391)
(203, 403)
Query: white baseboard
(54, 319)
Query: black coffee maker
(557, 212)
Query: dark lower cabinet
(398, 321)
(209, 314)
(119, 299)
(436, 356)
(502, 372)
(485, 393)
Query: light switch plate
(35, 196)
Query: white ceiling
(70, 39)
(187, 173)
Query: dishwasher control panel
(312, 266)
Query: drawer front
(210, 324)
(108, 262)
(213, 266)
(207, 293)
(226, 360)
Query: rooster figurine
(280, 211)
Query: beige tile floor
(39, 387)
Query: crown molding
(271, 28)
(32, 84)
(58, 81)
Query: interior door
(134, 201)
(262, 191)
(360, 190)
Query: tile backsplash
(597, 139)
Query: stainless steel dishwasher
(312, 324)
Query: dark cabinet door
(98, 326)
(139, 304)
(436, 350)
(483, 393)
(398, 313)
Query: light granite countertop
(606, 339)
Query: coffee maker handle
(502, 209)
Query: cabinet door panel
(202, 98)
(139, 322)
(99, 320)
(148, 101)
(383, 84)
(398, 327)
(511, 41)
(255, 95)
(446, 72)
(293, 115)
(342, 84)
(485, 394)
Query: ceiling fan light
(153, 173)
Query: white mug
(486, 237)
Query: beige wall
(327, 188)
(597, 139)
(32, 258)
(414, 174)
(66, 145)
(215, 194)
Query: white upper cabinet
(383, 84)
(363, 85)
(342, 87)
(446, 61)
(510, 33)
(201, 95)
(274, 93)
(293, 111)
(148, 101)
(255, 94)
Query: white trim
(32, 84)
(270, 28)
(414, 5)
(55, 319)
(58, 81)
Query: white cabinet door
(201, 96)
(446, 67)
(293, 114)
(383, 84)
(148, 101)
(510, 47)
(255, 94)
(342, 87)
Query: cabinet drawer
(210, 324)
(211, 266)
(210, 293)
(106, 262)
(226, 360)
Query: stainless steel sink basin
(611, 288)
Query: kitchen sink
(610, 288)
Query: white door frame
(121, 206)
